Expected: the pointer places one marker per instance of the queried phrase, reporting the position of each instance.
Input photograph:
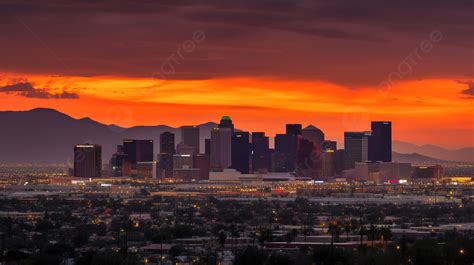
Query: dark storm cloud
(469, 91)
(306, 39)
(26, 89)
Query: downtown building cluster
(231, 154)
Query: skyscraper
(286, 152)
(117, 162)
(380, 142)
(355, 148)
(226, 122)
(293, 129)
(221, 145)
(190, 136)
(328, 163)
(314, 135)
(202, 162)
(327, 144)
(207, 147)
(184, 149)
(240, 150)
(307, 159)
(261, 154)
(183, 161)
(138, 150)
(167, 143)
(165, 165)
(339, 161)
(87, 161)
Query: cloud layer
(26, 89)
(470, 90)
(346, 42)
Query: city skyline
(185, 62)
(362, 124)
(417, 123)
(238, 132)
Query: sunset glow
(416, 107)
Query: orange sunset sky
(264, 63)
(423, 111)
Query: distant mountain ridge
(463, 155)
(47, 136)
(416, 159)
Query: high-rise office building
(380, 141)
(221, 148)
(184, 149)
(119, 148)
(130, 148)
(286, 152)
(240, 150)
(147, 170)
(167, 143)
(328, 163)
(261, 154)
(328, 144)
(293, 129)
(138, 150)
(226, 122)
(339, 161)
(314, 135)
(117, 162)
(355, 148)
(87, 161)
(190, 136)
(183, 161)
(165, 165)
(307, 159)
(207, 147)
(279, 162)
(203, 163)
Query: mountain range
(47, 136)
(465, 154)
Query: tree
(250, 256)
(176, 250)
(362, 232)
(347, 228)
(291, 235)
(373, 233)
(334, 229)
(386, 235)
(265, 235)
(234, 232)
(222, 238)
(278, 259)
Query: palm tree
(265, 236)
(386, 235)
(234, 233)
(362, 233)
(373, 233)
(253, 236)
(347, 228)
(222, 238)
(335, 230)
